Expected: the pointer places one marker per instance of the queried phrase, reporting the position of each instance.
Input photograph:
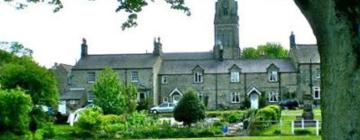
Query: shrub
(277, 110)
(14, 113)
(277, 132)
(111, 125)
(144, 104)
(302, 132)
(234, 117)
(39, 134)
(264, 117)
(89, 123)
(189, 110)
(49, 131)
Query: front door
(254, 100)
(176, 97)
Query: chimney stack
(292, 41)
(84, 48)
(157, 47)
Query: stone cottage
(221, 77)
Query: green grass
(287, 117)
(256, 138)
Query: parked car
(163, 107)
(289, 104)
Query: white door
(254, 99)
(176, 97)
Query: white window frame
(316, 89)
(91, 77)
(235, 77)
(273, 74)
(235, 97)
(198, 77)
(134, 76)
(164, 79)
(273, 96)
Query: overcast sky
(56, 37)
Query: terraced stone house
(221, 77)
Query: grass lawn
(287, 117)
(257, 138)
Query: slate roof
(73, 94)
(116, 61)
(303, 53)
(66, 67)
(188, 56)
(215, 66)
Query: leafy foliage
(113, 96)
(37, 81)
(250, 53)
(89, 123)
(22, 72)
(15, 107)
(16, 48)
(264, 117)
(189, 109)
(131, 7)
(269, 50)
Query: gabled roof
(214, 66)
(116, 61)
(305, 52)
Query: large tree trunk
(335, 26)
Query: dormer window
(198, 77)
(235, 77)
(273, 76)
(273, 73)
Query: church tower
(226, 25)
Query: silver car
(163, 107)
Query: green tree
(16, 48)
(272, 50)
(189, 109)
(36, 81)
(268, 50)
(335, 24)
(250, 53)
(15, 107)
(113, 96)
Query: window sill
(91, 82)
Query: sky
(56, 37)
